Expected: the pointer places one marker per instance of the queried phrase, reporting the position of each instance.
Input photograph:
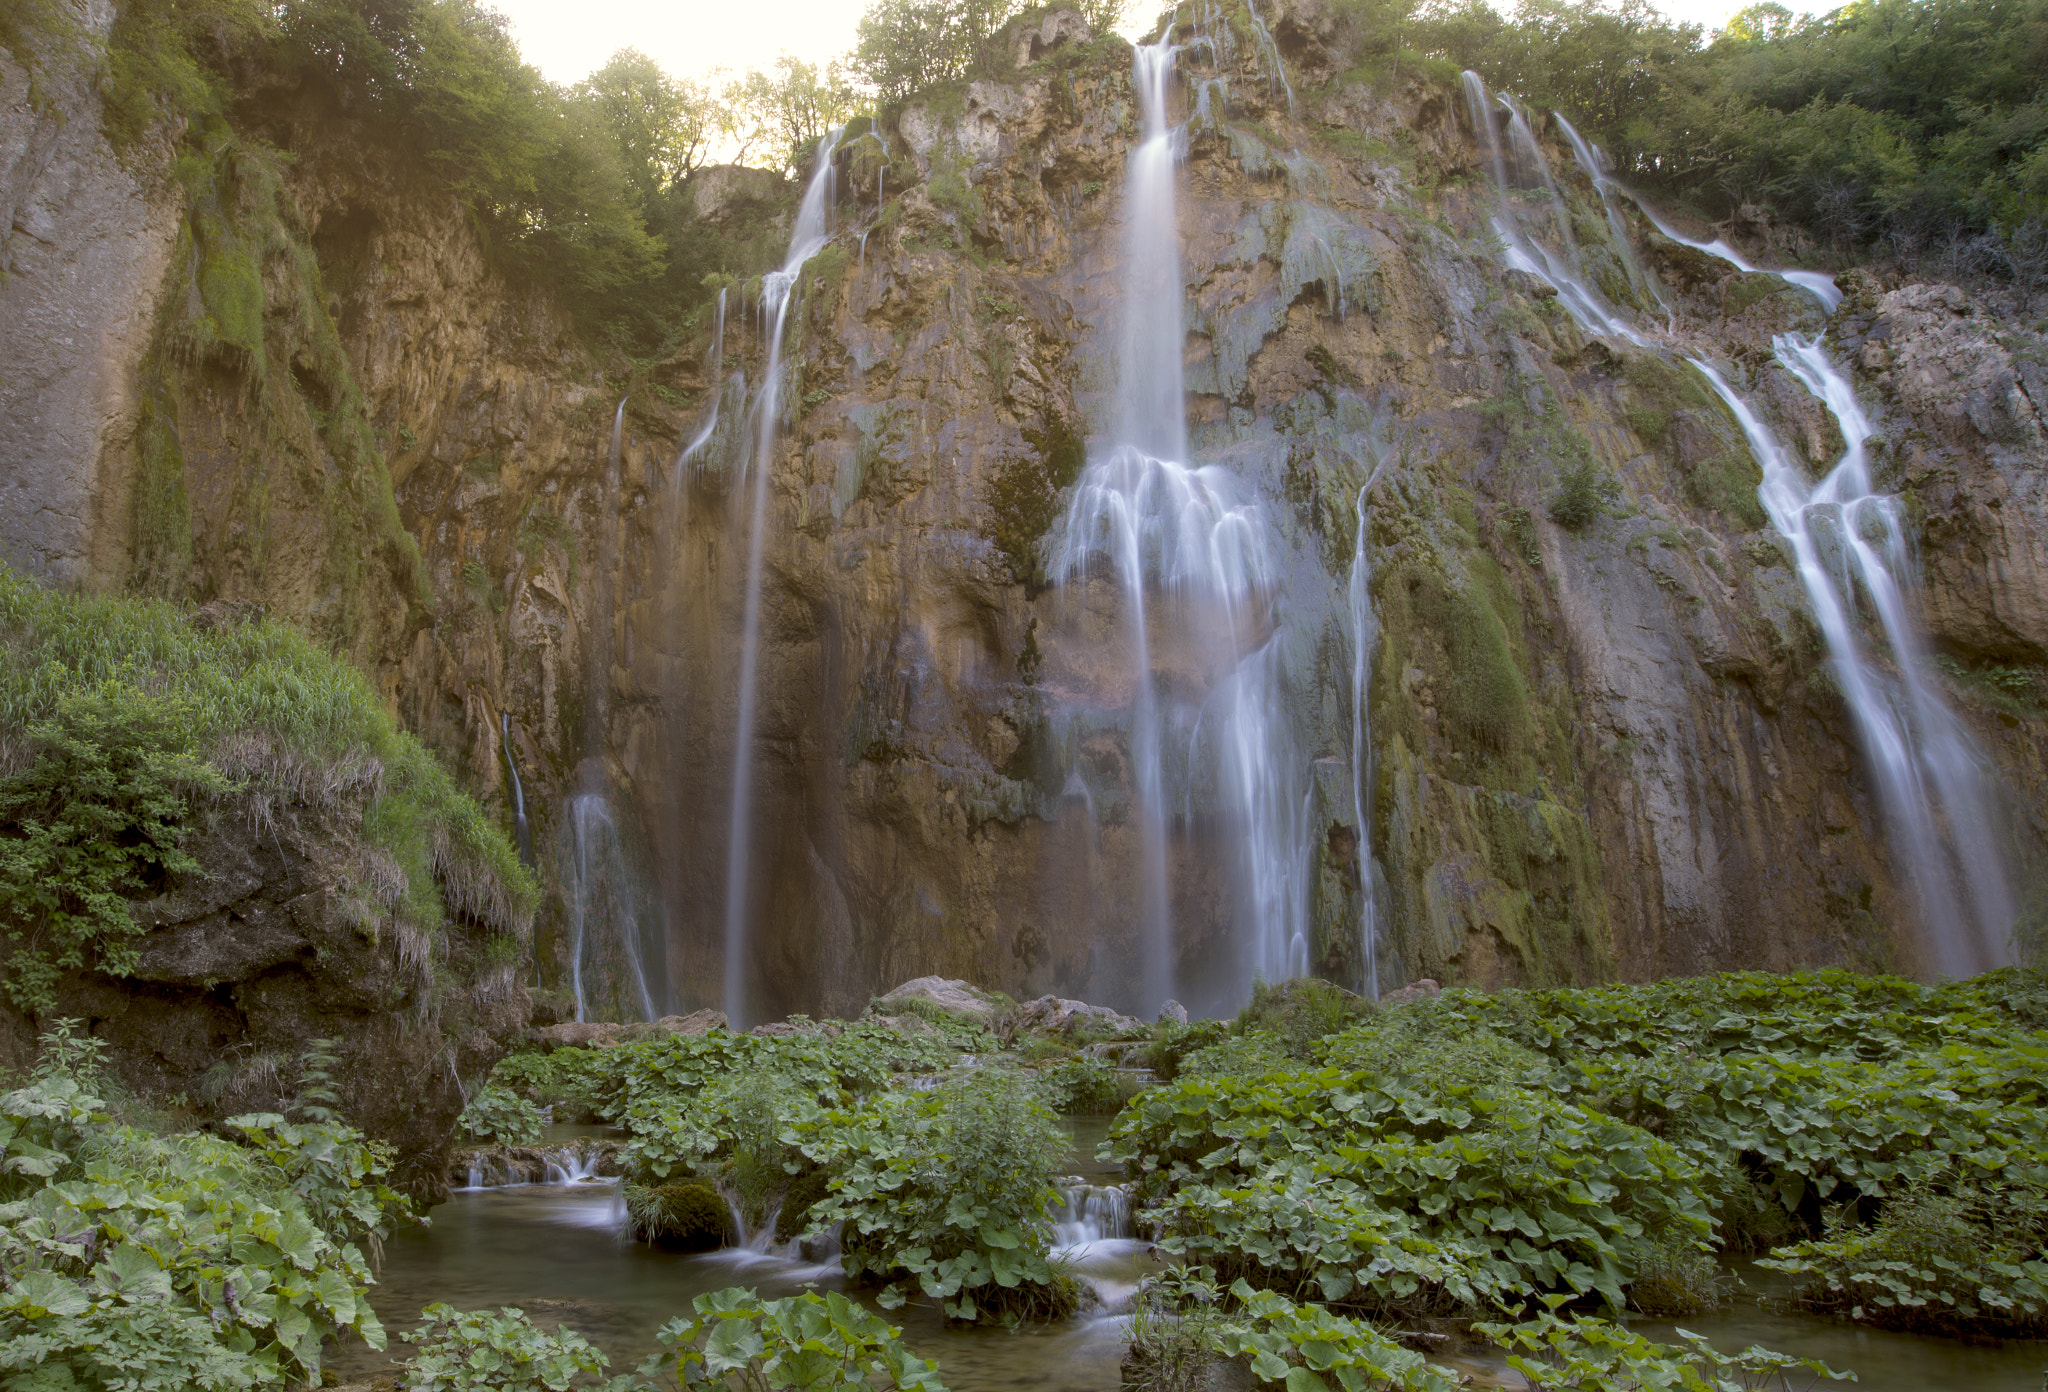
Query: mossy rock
(686, 1214)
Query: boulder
(696, 1022)
(1421, 990)
(954, 997)
(1173, 1013)
(1052, 1015)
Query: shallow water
(554, 1250)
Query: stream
(556, 1251)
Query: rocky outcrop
(587, 1034)
(926, 993)
(282, 940)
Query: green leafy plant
(947, 1190)
(151, 1262)
(479, 1351)
(1590, 1355)
(1585, 491)
(802, 1341)
(501, 1116)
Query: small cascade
(1850, 539)
(714, 365)
(753, 1246)
(1089, 1213)
(778, 290)
(574, 1164)
(1365, 637)
(1270, 51)
(522, 829)
(1593, 160)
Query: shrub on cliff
(124, 724)
(163, 1263)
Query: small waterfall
(778, 290)
(1365, 637)
(608, 967)
(1089, 1213)
(1593, 160)
(1270, 51)
(1847, 537)
(522, 829)
(714, 365)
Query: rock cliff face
(1612, 749)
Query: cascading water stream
(607, 968)
(522, 829)
(1365, 637)
(1847, 537)
(778, 289)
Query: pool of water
(555, 1251)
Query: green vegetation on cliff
(125, 724)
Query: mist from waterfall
(1365, 638)
(1848, 539)
(609, 949)
(778, 291)
(1188, 546)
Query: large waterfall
(1189, 546)
(1851, 548)
(778, 293)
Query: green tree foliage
(1915, 117)
(781, 116)
(910, 46)
(662, 126)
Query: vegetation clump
(125, 727)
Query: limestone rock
(1173, 1013)
(954, 997)
(1052, 1015)
(1415, 991)
(602, 1034)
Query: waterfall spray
(778, 290)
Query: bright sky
(566, 39)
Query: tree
(663, 126)
(786, 114)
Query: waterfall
(522, 830)
(778, 290)
(1186, 544)
(1365, 637)
(1847, 537)
(1593, 160)
(608, 967)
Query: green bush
(97, 818)
(152, 1262)
(1081, 1086)
(1935, 1263)
(1300, 1012)
(947, 1189)
(134, 719)
(819, 1342)
(1586, 491)
(1493, 1193)
(1240, 1056)
(498, 1115)
(477, 1351)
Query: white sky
(566, 39)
